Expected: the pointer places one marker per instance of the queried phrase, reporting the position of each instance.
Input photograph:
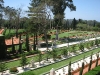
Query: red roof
(9, 41)
(1, 31)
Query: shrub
(81, 47)
(48, 37)
(13, 69)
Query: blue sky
(85, 9)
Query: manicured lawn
(71, 33)
(13, 31)
(60, 64)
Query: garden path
(66, 44)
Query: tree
(74, 23)
(64, 52)
(69, 68)
(96, 42)
(35, 13)
(97, 60)
(39, 57)
(13, 47)
(3, 66)
(10, 14)
(23, 60)
(94, 24)
(58, 8)
(39, 16)
(20, 44)
(1, 11)
(27, 42)
(47, 55)
(73, 48)
(90, 62)
(3, 48)
(92, 43)
(54, 54)
(81, 47)
(82, 68)
(17, 19)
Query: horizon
(85, 9)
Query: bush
(81, 47)
(8, 36)
(48, 37)
(13, 69)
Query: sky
(85, 9)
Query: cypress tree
(82, 68)
(20, 44)
(74, 23)
(13, 47)
(97, 60)
(90, 62)
(27, 42)
(69, 68)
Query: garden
(60, 56)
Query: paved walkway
(66, 44)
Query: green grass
(13, 31)
(62, 63)
(94, 71)
(72, 33)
